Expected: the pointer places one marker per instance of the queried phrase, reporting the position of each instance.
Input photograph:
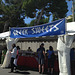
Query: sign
(54, 28)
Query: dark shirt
(72, 54)
(40, 52)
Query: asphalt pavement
(24, 71)
(6, 71)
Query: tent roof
(70, 28)
(4, 34)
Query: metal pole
(73, 9)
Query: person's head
(28, 47)
(18, 47)
(51, 48)
(13, 45)
(42, 44)
(47, 50)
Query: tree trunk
(6, 26)
(40, 16)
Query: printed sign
(54, 28)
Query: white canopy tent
(4, 34)
(9, 42)
(63, 47)
(70, 28)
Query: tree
(11, 12)
(70, 18)
(14, 11)
(44, 7)
(42, 21)
(31, 8)
(59, 8)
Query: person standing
(13, 56)
(41, 57)
(51, 58)
(72, 54)
(3, 54)
(72, 60)
(15, 60)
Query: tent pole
(73, 9)
(63, 47)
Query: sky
(69, 3)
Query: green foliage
(31, 23)
(59, 8)
(1, 25)
(14, 11)
(70, 19)
(42, 21)
(11, 13)
(33, 6)
(54, 6)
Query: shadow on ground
(19, 72)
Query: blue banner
(54, 28)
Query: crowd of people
(42, 56)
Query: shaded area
(73, 67)
(20, 72)
(31, 63)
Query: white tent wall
(34, 45)
(63, 48)
(9, 42)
